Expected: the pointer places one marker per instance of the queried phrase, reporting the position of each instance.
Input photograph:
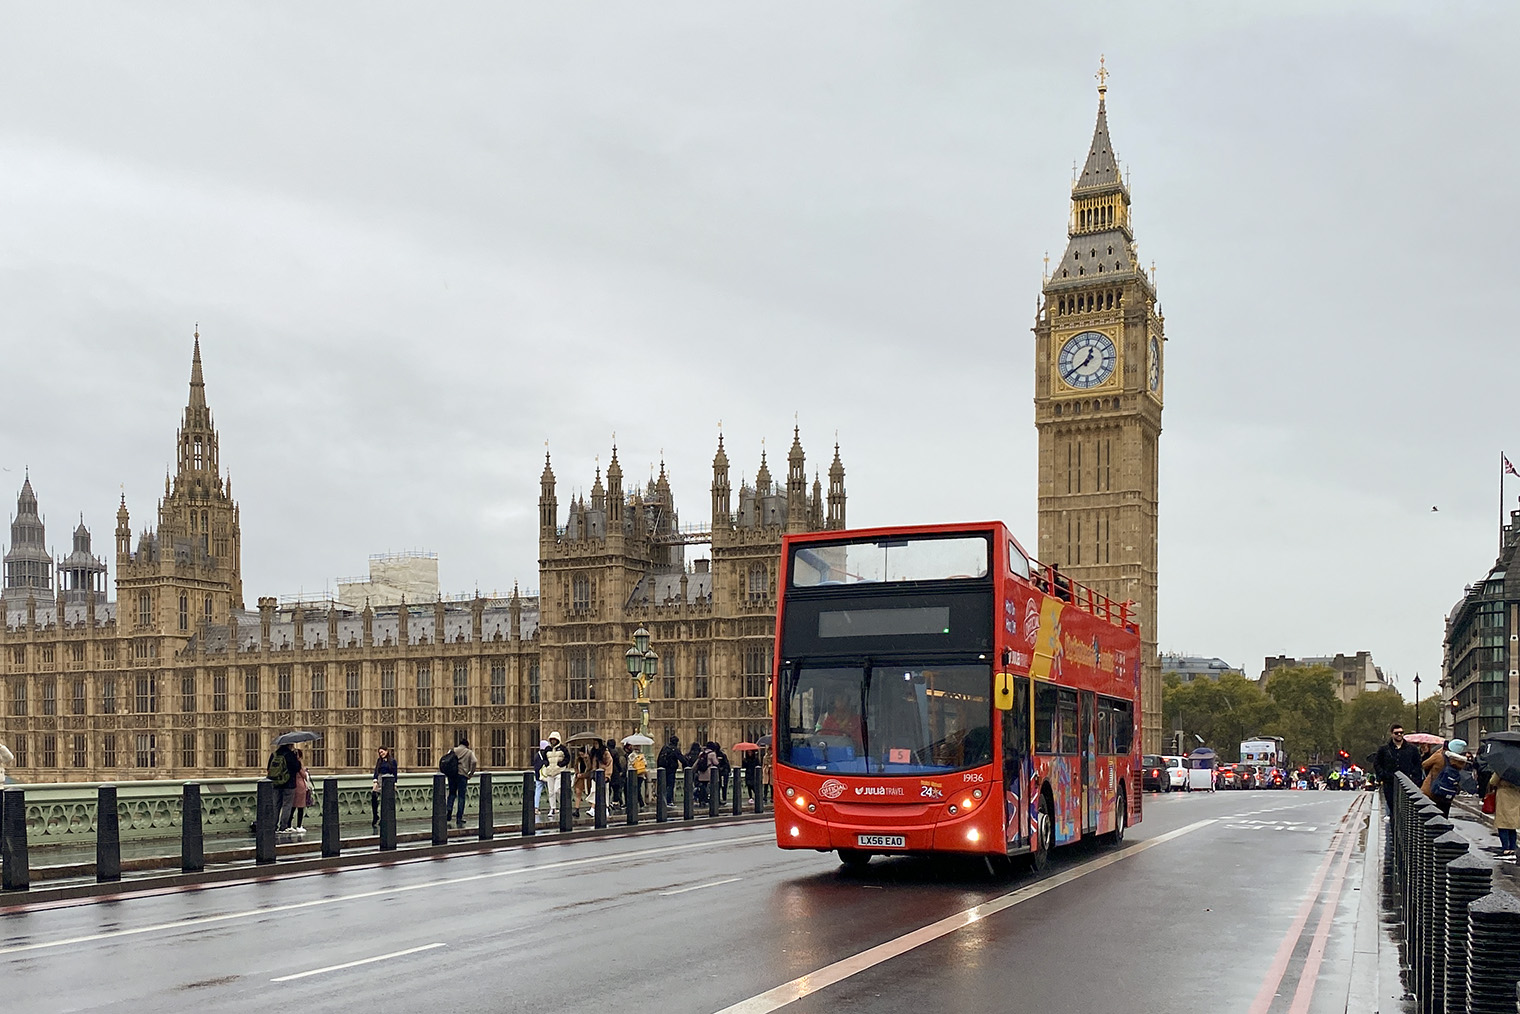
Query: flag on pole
(1507, 466)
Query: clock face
(1087, 359)
(1155, 367)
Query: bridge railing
(1461, 917)
(35, 817)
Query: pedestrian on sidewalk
(538, 774)
(281, 770)
(619, 772)
(1392, 757)
(385, 764)
(670, 761)
(1447, 776)
(1506, 815)
(751, 766)
(458, 773)
(556, 762)
(634, 761)
(705, 770)
(303, 794)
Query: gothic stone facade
(1099, 338)
(176, 679)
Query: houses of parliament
(175, 678)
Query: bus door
(1016, 764)
(1087, 744)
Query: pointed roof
(197, 379)
(26, 503)
(1101, 171)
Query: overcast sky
(422, 241)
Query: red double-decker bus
(937, 691)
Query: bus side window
(1071, 735)
(1044, 719)
(1124, 727)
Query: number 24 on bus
(939, 691)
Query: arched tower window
(184, 611)
(208, 609)
(580, 593)
(759, 581)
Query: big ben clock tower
(1099, 358)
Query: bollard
(487, 808)
(107, 836)
(688, 793)
(1449, 846)
(599, 798)
(566, 802)
(631, 796)
(759, 790)
(387, 813)
(529, 804)
(332, 832)
(15, 870)
(1493, 952)
(714, 792)
(1432, 827)
(192, 834)
(661, 786)
(736, 784)
(264, 818)
(440, 810)
(1467, 879)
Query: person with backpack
(457, 766)
(281, 770)
(615, 774)
(1448, 778)
(703, 766)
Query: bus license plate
(881, 841)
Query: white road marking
(361, 961)
(698, 887)
(378, 893)
(805, 985)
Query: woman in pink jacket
(303, 795)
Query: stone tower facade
(187, 573)
(1099, 344)
(618, 562)
(28, 564)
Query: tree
(1308, 709)
(1430, 714)
(1221, 712)
(1365, 722)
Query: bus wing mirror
(1002, 691)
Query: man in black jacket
(670, 761)
(1395, 756)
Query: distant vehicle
(1227, 777)
(1154, 776)
(1177, 769)
(1273, 778)
(1264, 750)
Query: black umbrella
(1502, 757)
(764, 741)
(1503, 737)
(297, 737)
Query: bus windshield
(886, 719)
(888, 560)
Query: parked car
(1154, 776)
(1178, 770)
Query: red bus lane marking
(1306, 981)
(1284, 955)
(812, 982)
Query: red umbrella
(746, 746)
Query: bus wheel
(1121, 818)
(1046, 827)
(854, 858)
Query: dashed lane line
(698, 887)
(828, 975)
(361, 961)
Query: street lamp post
(1416, 702)
(641, 661)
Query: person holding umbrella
(283, 767)
(1499, 765)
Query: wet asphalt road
(1192, 914)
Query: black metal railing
(1461, 925)
(16, 871)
